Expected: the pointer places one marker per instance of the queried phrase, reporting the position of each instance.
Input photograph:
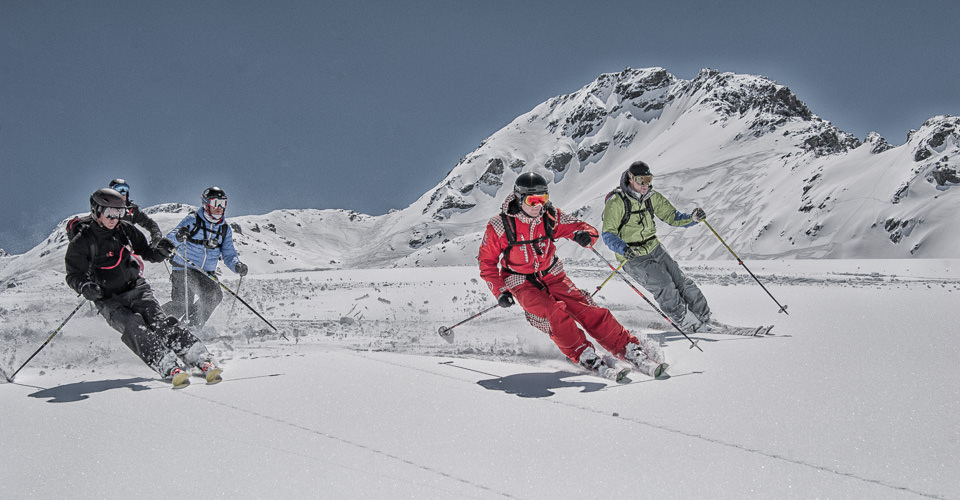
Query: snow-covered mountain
(775, 179)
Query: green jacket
(640, 230)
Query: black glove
(182, 233)
(583, 238)
(91, 291)
(505, 299)
(241, 268)
(165, 248)
(630, 253)
(699, 214)
(155, 239)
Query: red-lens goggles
(536, 199)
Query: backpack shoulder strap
(627, 208)
(197, 226)
(550, 222)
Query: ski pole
(783, 308)
(254, 311)
(233, 306)
(608, 278)
(446, 331)
(52, 335)
(616, 271)
(186, 292)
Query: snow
(855, 396)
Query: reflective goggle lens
(217, 203)
(122, 189)
(536, 199)
(643, 179)
(113, 213)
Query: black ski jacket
(109, 257)
(136, 216)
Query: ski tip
(213, 376)
(181, 380)
(622, 375)
(661, 371)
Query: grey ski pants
(673, 291)
(205, 296)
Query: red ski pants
(560, 306)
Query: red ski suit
(539, 284)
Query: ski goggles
(643, 180)
(122, 189)
(217, 203)
(113, 213)
(536, 199)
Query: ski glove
(583, 238)
(241, 268)
(630, 253)
(91, 291)
(505, 299)
(182, 233)
(699, 214)
(165, 248)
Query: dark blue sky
(366, 105)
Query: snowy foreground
(856, 396)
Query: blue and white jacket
(202, 254)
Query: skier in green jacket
(629, 229)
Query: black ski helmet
(639, 168)
(120, 186)
(105, 198)
(530, 183)
(211, 193)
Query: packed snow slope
(856, 396)
(775, 179)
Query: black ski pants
(145, 328)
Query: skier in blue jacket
(206, 238)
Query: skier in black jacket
(103, 262)
(134, 214)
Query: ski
(181, 380)
(746, 331)
(652, 368)
(213, 376)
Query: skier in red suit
(518, 262)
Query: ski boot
(595, 364)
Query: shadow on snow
(79, 391)
(538, 385)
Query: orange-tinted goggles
(644, 180)
(536, 199)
